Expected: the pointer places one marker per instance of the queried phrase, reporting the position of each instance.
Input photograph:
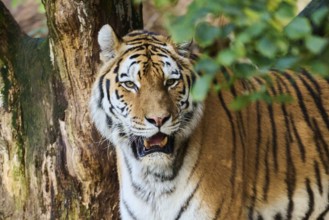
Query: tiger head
(141, 99)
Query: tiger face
(141, 100)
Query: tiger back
(181, 159)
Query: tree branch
(10, 34)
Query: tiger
(179, 158)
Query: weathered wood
(53, 164)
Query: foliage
(263, 35)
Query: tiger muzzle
(158, 143)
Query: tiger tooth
(146, 144)
(164, 142)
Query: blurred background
(30, 15)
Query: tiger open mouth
(159, 142)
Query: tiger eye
(129, 84)
(170, 82)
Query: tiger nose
(157, 120)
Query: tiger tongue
(159, 140)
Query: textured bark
(53, 164)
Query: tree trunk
(53, 163)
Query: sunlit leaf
(316, 44)
(226, 57)
(266, 47)
(201, 87)
(298, 28)
(162, 3)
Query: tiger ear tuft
(185, 49)
(108, 42)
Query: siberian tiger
(181, 159)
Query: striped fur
(264, 162)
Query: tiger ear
(108, 42)
(185, 49)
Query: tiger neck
(148, 185)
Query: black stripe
(195, 165)
(310, 199)
(274, 138)
(116, 68)
(300, 144)
(138, 190)
(129, 210)
(273, 127)
(323, 214)
(255, 178)
(117, 94)
(241, 135)
(290, 178)
(311, 79)
(135, 56)
(219, 210)
(131, 64)
(283, 106)
(162, 55)
(290, 117)
(299, 98)
(108, 89)
(101, 92)
(318, 176)
(278, 216)
(324, 150)
(267, 174)
(108, 96)
(260, 217)
(234, 145)
(318, 102)
(109, 121)
(187, 202)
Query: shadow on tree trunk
(54, 165)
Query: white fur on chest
(159, 200)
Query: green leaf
(285, 13)
(207, 65)
(162, 3)
(180, 29)
(252, 15)
(244, 70)
(320, 68)
(316, 44)
(298, 28)
(266, 47)
(226, 57)
(286, 62)
(15, 3)
(206, 34)
(240, 102)
(201, 87)
(319, 15)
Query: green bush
(263, 35)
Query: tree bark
(53, 163)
